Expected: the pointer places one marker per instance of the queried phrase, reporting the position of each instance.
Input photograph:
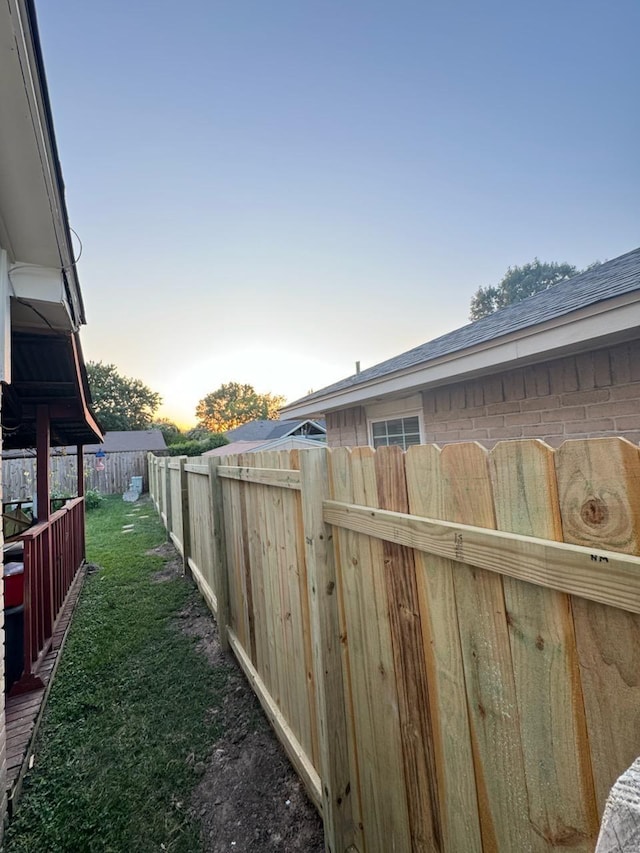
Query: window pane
(410, 440)
(399, 432)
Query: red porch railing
(53, 553)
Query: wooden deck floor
(23, 712)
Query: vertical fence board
(175, 488)
(200, 525)
(268, 572)
(443, 654)
(491, 698)
(235, 555)
(277, 662)
(411, 671)
(339, 789)
(219, 553)
(376, 752)
(304, 605)
(255, 519)
(166, 485)
(256, 548)
(185, 523)
(294, 573)
(562, 805)
(280, 588)
(246, 580)
(599, 485)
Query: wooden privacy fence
(447, 641)
(19, 474)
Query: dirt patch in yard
(173, 565)
(249, 798)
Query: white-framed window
(404, 430)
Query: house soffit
(33, 218)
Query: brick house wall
(581, 396)
(347, 428)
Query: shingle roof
(130, 440)
(114, 442)
(263, 430)
(613, 278)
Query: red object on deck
(13, 584)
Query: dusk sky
(267, 192)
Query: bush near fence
(446, 641)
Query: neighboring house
(269, 430)
(564, 363)
(45, 393)
(108, 467)
(287, 442)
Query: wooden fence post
(184, 513)
(153, 464)
(220, 568)
(168, 507)
(151, 476)
(337, 786)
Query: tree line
(124, 403)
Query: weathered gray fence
(19, 474)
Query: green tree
(169, 430)
(234, 404)
(518, 283)
(120, 402)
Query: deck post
(220, 570)
(80, 493)
(44, 608)
(80, 472)
(43, 449)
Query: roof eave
(70, 272)
(595, 324)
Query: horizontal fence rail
(574, 569)
(446, 641)
(267, 476)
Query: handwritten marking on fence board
(604, 576)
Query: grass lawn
(126, 723)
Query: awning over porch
(47, 369)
